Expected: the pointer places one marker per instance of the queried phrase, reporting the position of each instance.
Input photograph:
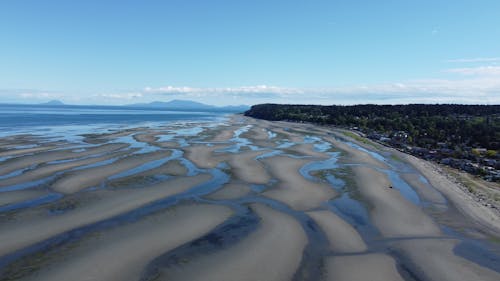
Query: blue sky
(248, 52)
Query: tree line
(426, 124)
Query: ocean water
(73, 120)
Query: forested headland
(445, 131)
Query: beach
(234, 199)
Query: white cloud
(477, 71)
(259, 91)
(467, 85)
(28, 95)
(38, 95)
(474, 60)
(477, 89)
(121, 96)
(170, 90)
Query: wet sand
(52, 169)
(14, 152)
(247, 169)
(392, 213)
(16, 235)
(437, 261)
(425, 190)
(306, 150)
(293, 189)
(462, 201)
(44, 157)
(343, 238)
(245, 199)
(146, 137)
(273, 252)
(76, 181)
(224, 135)
(135, 245)
(230, 191)
(356, 156)
(440, 182)
(18, 196)
(204, 156)
(373, 267)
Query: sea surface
(74, 120)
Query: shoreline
(306, 201)
(469, 204)
(466, 202)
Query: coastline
(468, 203)
(465, 201)
(226, 194)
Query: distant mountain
(179, 104)
(189, 105)
(53, 102)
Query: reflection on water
(239, 142)
(147, 166)
(348, 205)
(314, 166)
(143, 147)
(348, 208)
(32, 202)
(70, 122)
(402, 186)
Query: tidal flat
(234, 199)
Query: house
(419, 151)
(442, 145)
(446, 161)
(446, 151)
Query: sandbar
(17, 235)
(272, 252)
(78, 180)
(372, 267)
(293, 189)
(391, 212)
(343, 238)
(136, 244)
